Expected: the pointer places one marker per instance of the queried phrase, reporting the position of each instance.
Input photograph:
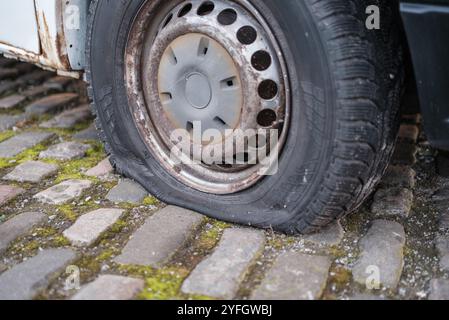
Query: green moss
(68, 212)
(209, 238)
(60, 241)
(74, 169)
(45, 232)
(150, 201)
(164, 284)
(30, 154)
(106, 255)
(6, 135)
(118, 226)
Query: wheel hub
(218, 65)
(198, 91)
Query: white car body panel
(48, 33)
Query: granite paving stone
(63, 192)
(31, 171)
(23, 141)
(160, 237)
(27, 279)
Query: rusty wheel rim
(217, 64)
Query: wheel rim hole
(268, 89)
(247, 35)
(185, 10)
(227, 17)
(168, 20)
(266, 118)
(206, 8)
(261, 60)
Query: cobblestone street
(63, 209)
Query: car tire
(344, 90)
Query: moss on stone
(75, 169)
(68, 212)
(6, 135)
(164, 284)
(60, 241)
(150, 201)
(27, 155)
(210, 237)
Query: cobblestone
(90, 226)
(295, 276)
(102, 169)
(31, 171)
(160, 237)
(220, 275)
(127, 191)
(17, 226)
(330, 236)
(111, 287)
(27, 279)
(392, 202)
(382, 249)
(51, 104)
(65, 151)
(11, 101)
(439, 289)
(8, 193)
(63, 192)
(19, 143)
(70, 118)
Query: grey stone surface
(68, 119)
(9, 121)
(19, 143)
(102, 169)
(399, 176)
(36, 92)
(25, 280)
(111, 287)
(441, 198)
(18, 226)
(383, 248)
(160, 237)
(392, 202)
(220, 275)
(59, 83)
(65, 151)
(127, 191)
(444, 219)
(329, 236)
(439, 289)
(90, 226)
(31, 171)
(12, 101)
(8, 86)
(409, 132)
(295, 276)
(405, 154)
(8, 73)
(442, 245)
(8, 193)
(87, 134)
(51, 104)
(63, 192)
(34, 78)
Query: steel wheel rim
(233, 69)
